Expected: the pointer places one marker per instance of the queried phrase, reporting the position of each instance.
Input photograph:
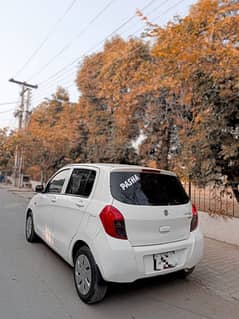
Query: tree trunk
(233, 180)
(236, 192)
(164, 164)
(43, 175)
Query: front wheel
(31, 236)
(90, 286)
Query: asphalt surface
(36, 283)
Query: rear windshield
(147, 188)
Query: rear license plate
(165, 260)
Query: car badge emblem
(165, 212)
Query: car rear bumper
(118, 261)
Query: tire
(186, 272)
(30, 234)
(89, 283)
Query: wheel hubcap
(29, 226)
(83, 274)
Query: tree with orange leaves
(198, 59)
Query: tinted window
(81, 182)
(147, 188)
(57, 182)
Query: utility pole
(27, 110)
(23, 116)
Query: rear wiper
(175, 202)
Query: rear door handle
(53, 200)
(80, 203)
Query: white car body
(66, 221)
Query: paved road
(36, 284)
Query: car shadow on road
(123, 291)
(142, 286)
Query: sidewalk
(219, 269)
(21, 192)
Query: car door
(46, 204)
(72, 207)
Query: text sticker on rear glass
(129, 182)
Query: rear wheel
(90, 286)
(31, 236)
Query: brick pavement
(219, 269)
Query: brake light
(113, 222)
(194, 221)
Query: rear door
(72, 206)
(155, 206)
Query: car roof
(113, 166)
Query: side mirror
(39, 188)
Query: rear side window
(81, 182)
(147, 188)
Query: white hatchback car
(116, 223)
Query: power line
(71, 68)
(59, 20)
(98, 44)
(8, 122)
(49, 86)
(114, 60)
(173, 6)
(134, 50)
(68, 45)
(8, 103)
(158, 7)
(149, 12)
(163, 13)
(71, 84)
(62, 77)
(7, 111)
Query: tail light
(194, 221)
(113, 222)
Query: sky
(44, 41)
